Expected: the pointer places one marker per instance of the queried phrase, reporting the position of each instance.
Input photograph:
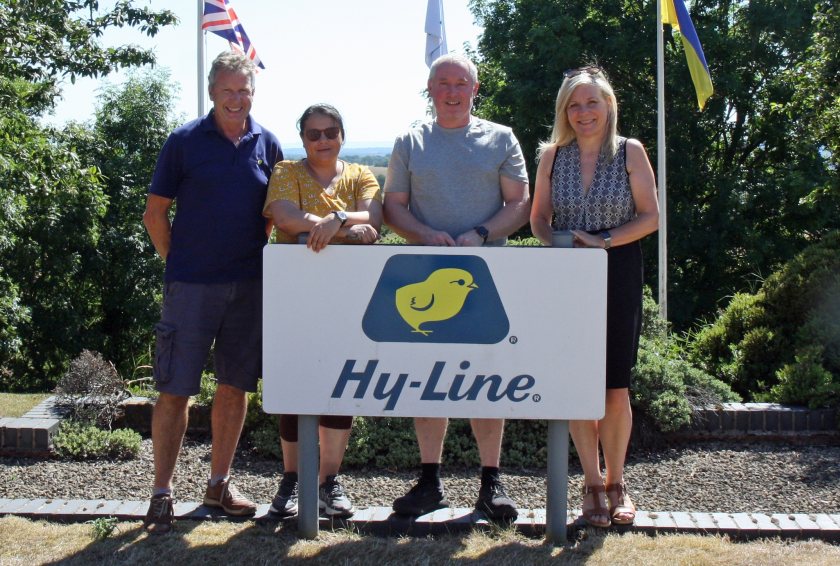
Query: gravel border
(713, 476)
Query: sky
(365, 57)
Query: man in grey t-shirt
(457, 181)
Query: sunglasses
(589, 69)
(314, 134)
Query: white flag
(435, 32)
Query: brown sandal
(598, 510)
(623, 506)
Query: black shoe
(332, 500)
(495, 503)
(425, 497)
(285, 502)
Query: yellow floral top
(291, 181)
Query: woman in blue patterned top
(601, 187)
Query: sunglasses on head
(314, 134)
(589, 69)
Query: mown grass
(38, 542)
(17, 404)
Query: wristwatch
(341, 215)
(607, 239)
(483, 232)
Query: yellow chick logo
(440, 297)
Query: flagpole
(660, 159)
(200, 59)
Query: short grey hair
(457, 60)
(232, 62)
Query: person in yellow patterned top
(321, 194)
(332, 201)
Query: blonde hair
(562, 133)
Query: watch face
(341, 216)
(482, 231)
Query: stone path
(381, 520)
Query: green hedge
(782, 343)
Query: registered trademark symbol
(536, 398)
(514, 339)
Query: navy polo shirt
(218, 231)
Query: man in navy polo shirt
(216, 169)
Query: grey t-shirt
(452, 175)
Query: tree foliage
(132, 122)
(47, 40)
(54, 201)
(782, 343)
(753, 179)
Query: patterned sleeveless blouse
(609, 202)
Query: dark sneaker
(285, 502)
(495, 503)
(332, 500)
(425, 497)
(225, 496)
(159, 517)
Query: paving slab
(765, 523)
(32, 507)
(683, 520)
(90, 508)
(704, 521)
(644, 519)
(132, 509)
(825, 523)
(664, 521)
(806, 524)
(746, 525)
(52, 507)
(70, 507)
(787, 525)
(11, 505)
(108, 508)
(724, 523)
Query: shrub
(666, 387)
(79, 441)
(91, 390)
(782, 343)
(806, 378)
(207, 390)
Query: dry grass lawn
(17, 404)
(38, 542)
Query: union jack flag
(219, 18)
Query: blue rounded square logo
(436, 299)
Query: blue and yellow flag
(675, 13)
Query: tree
(52, 203)
(46, 40)
(750, 181)
(132, 122)
(52, 234)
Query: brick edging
(382, 520)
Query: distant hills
(346, 152)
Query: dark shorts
(196, 317)
(289, 425)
